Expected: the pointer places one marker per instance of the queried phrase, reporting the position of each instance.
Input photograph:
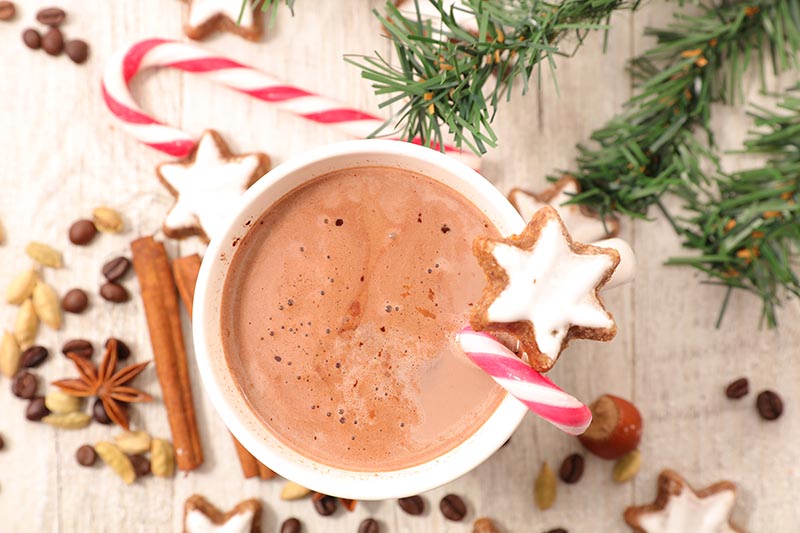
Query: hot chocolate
(339, 316)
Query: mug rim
(229, 401)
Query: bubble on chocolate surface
(383, 378)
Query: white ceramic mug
(226, 395)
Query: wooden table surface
(60, 156)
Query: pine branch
(270, 6)
(747, 231)
(449, 80)
(267, 5)
(651, 148)
(746, 225)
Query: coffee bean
(453, 507)
(86, 456)
(53, 42)
(116, 268)
(141, 465)
(738, 389)
(33, 357)
(769, 405)
(114, 293)
(484, 525)
(571, 469)
(557, 530)
(77, 50)
(36, 409)
(7, 10)
(370, 525)
(51, 16)
(123, 352)
(413, 505)
(75, 301)
(99, 413)
(2, 442)
(291, 525)
(24, 385)
(81, 232)
(80, 347)
(32, 39)
(325, 505)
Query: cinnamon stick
(249, 463)
(160, 299)
(264, 472)
(186, 270)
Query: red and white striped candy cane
(537, 392)
(151, 53)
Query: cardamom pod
(74, 420)
(107, 220)
(26, 325)
(118, 461)
(61, 403)
(133, 442)
(10, 354)
(46, 305)
(162, 458)
(21, 287)
(44, 254)
(293, 491)
(544, 488)
(627, 466)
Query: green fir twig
(652, 147)
(746, 232)
(267, 6)
(448, 80)
(745, 227)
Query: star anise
(108, 384)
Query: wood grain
(61, 155)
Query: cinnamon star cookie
(201, 516)
(209, 16)
(582, 224)
(542, 288)
(679, 509)
(207, 186)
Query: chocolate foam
(339, 319)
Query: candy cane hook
(152, 53)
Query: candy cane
(537, 392)
(151, 53)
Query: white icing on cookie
(686, 512)
(428, 11)
(201, 11)
(208, 188)
(197, 522)
(552, 287)
(582, 227)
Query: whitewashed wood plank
(53, 177)
(683, 365)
